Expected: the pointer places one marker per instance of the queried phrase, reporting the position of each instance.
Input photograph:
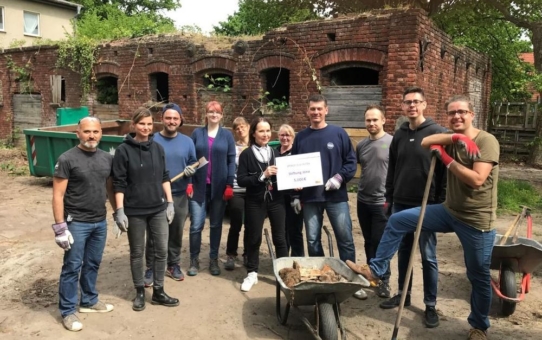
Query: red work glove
(228, 193)
(442, 155)
(189, 190)
(465, 142)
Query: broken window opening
(220, 82)
(159, 84)
(107, 90)
(353, 76)
(277, 88)
(63, 89)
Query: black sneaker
(431, 317)
(394, 302)
(383, 290)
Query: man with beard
(373, 154)
(180, 152)
(81, 185)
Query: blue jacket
(222, 163)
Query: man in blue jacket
(180, 153)
(338, 167)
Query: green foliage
(17, 43)
(14, 169)
(78, 53)
(107, 92)
(222, 84)
(110, 22)
(271, 105)
(130, 7)
(512, 194)
(255, 17)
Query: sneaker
(98, 307)
(383, 290)
(71, 322)
(175, 272)
(213, 267)
(477, 334)
(360, 295)
(194, 267)
(394, 302)
(245, 260)
(431, 317)
(148, 280)
(230, 263)
(249, 281)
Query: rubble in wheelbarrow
(297, 274)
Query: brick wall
(404, 47)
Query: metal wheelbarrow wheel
(508, 288)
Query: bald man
(81, 185)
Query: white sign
(299, 171)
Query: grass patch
(512, 194)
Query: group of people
(241, 172)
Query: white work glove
(63, 237)
(296, 204)
(170, 212)
(334, 183)
(189, 171)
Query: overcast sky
(203, 13)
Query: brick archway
(155, 66)
(214, 63)
(107, 68)
(356, 54)
(272, 61)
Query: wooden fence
(514, 125)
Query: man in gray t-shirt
(372, 154)
(81, 185)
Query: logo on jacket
(330, 145)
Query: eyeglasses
(214, 113)
(461, 113)
(415, 102)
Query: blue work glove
(170, 212)
(334, 183)
(296, 204)
(189, 171)
(63, 237)
(121, 220)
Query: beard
(91, 144)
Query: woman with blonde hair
(294, 221)
(237, 203)
(144, 204)
(211, 186)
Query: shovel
(200, 163)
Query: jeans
(237, 215)
(477, 247)
(175, 238)
(157, 229)
(80, 266)
(428, 251)
(372, 219)
(198, 211)
(339, 217)
(255, 212)
(294, 230)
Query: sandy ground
(214, 307)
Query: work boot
(394, 302)
(213, 267)
(194, 267)
(139, 301)
(159, 297)
(230, 263)
(431, 317)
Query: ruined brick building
(354, 61)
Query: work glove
(334, 183)
(296, 204)
(439, 151)
(387, 209)
(170, 212)
(466, 143)
(189, 171)
(189, 190)
(228, 193)
(63, 237)
(116, 230)
(121, 220)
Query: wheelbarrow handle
(269, 245)
(329, 240)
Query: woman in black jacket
(257, 173)
(144, 202)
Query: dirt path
(211, 307)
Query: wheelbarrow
(513, 255)
(325, 297)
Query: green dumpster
(70, 115)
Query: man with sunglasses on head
(472, 159)
(180, 153)
(408, 169)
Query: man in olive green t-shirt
(472, 159)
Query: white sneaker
(360, 294)
(71, 322)
(249, 281)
